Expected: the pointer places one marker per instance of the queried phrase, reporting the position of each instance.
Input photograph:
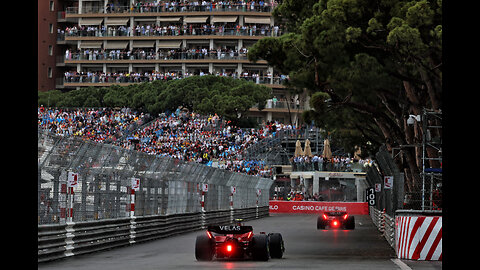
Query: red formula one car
(335, 220)
(237, 242)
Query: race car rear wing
(337, 213)
(230, 229)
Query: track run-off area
(305, 248)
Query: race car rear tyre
(204, 248)
(350, 223)
(320, 223)
(276, 245)
(260, 247)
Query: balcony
(107, 79)
(172, 32)
(180, 9)
(161, 56)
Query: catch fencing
(103, 189)
(389, 197)
(414, 233)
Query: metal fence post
(231, 205)
(69, 238)
(202, 204)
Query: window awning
(169, 19)
(143, 44)
(223, 19)
(202, 19)
(173, 44)
(90, 21)
(90, 44)
(116, 44)
(116, 21)
(260, 20)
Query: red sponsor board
(309, 207)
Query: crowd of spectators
(203, 53)
(151, 54)
(186, 136)
(138, 77)
(118, 77)
(195, 5)
(171, 30)
(202, 139)
(182, 135)
(97, 125)
(335, 163)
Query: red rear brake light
(335, 223)
(324, 216)
(249, 235)
(209, 234)
(229, 248)
(345, 216)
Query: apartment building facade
(100, 43)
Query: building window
(50, 26)
(52, 6)
(50, 50)
(49, 72)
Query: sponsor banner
(314, 207)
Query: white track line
(401, 264)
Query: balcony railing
(175, 31)
(148, 55)
(181, 7)
(135, 77)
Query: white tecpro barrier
(418, 237)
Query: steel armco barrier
(75, 238)
(385, 224)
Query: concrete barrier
(418, 237)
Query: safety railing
(385, 224)
(178, 7)
(179, 30)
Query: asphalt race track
(305, 248)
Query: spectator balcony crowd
(335, 163)
(194, 29)
(151, 54)
(182, 6)
(139, 77)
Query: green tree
(49, 98)
(367, 64)
(225, 96)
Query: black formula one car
(335, 220)
(237, 242)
